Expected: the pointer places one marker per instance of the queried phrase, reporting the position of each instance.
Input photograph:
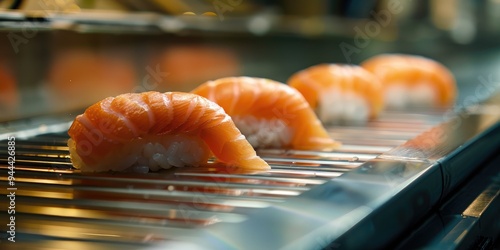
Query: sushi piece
(157, 130)
(270, 114)
(176, 64)
(413, 81)
(340, 94)
(9, 96)
(79, 77)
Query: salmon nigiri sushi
(270, 114)
(158, 131)
(413, 81)
(340, 93)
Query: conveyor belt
(57, 204)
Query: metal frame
(373, 204)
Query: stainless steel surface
(468, 219)
(375, 203)
(58, 203)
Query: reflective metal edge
(468, 220)
(368, 206)
(477, 226)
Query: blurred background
(58, 56)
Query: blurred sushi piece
(270, 114)
(9, 96)
(79, 77)
(413, 81)
(184, 67)
(340, 94)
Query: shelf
(263, 23)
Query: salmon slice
(413, 81)
(270, 114)
(340, 93)
(157, 130)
